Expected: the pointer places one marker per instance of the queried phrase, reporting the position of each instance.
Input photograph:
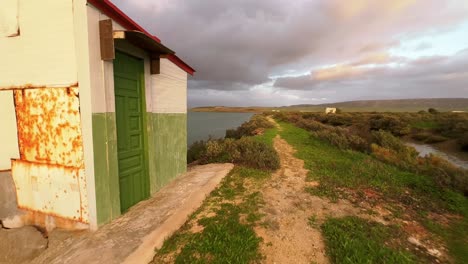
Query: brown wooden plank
(155, 66)
(106, 38)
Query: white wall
(8, 133)
(169, 89)
(9, 18)
(44, 52)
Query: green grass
(267, 136)
(355, 240)
(336, 168)
(425, 125)
(228, 235)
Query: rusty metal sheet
(51, 189)
(49, 126)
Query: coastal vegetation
(374, 198)
(239, 147)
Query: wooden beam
(155, 66)
(106, 38)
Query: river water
(202, 125)
(425, 149)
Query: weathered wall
(168, 142)
(8, 133)
(104, 127)
(166, 106)
(106, 167)
(104, 122)
(49, 176)
(170, 89)
(45, 41)
(170, 148)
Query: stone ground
(131, 238)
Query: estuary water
(202, 125)
(425, 149)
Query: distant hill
(442, 104)
(400, 105)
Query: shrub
(256, 125)
(245, 151)
(463, 142)
(444, 173)
(342, 138)
(195, 151)
(432, 111)
(389, 123)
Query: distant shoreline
(401, 105)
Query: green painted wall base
(106, 167)
(167, 155)
(167, 149)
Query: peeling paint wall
(52, 189)
(49, 177)
(49, 128)
(168, 142)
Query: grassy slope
(338, 171)
(227, 217)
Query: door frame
(146, 180)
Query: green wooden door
(131, 136)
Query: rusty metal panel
(52, 189)
(49, 126)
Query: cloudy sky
(284, 52)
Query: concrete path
(133, 237)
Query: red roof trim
(112, 11)
(184, 66)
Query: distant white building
(330, 110)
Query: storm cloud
(275, 52)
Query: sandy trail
(287, 235)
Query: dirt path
(287, 236)
(291, 232)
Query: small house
(94, 110)
(330, 110)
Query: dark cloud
(425, 77)
(237, 45)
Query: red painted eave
(184, 66)
(113, 12)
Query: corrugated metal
(49, 129)
(52, 189)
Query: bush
(389, 123)
(432, 111)
(463, 142)
(256, 125)
(342, 138)
(444, 173)
(245, 151)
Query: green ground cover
(344, 173)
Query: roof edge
(112, 11)
(179, 62)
